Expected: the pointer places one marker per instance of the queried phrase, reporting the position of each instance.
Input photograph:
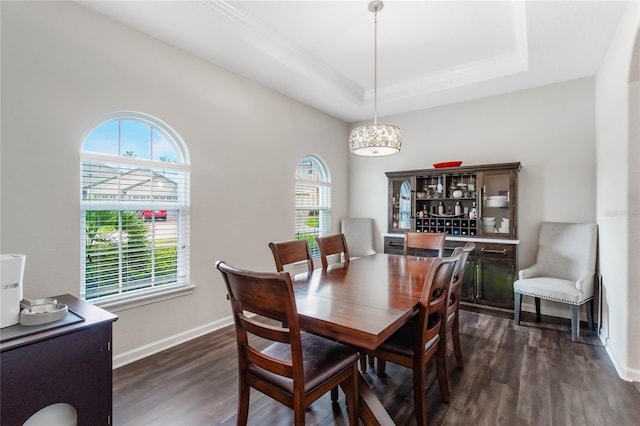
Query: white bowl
(497, 203)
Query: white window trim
(131, 300)
(325, 185)
(134, 299)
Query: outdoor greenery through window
(135, 208)
(313, 201)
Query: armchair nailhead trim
(543, 296)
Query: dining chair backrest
(434, 299)
(417, 243)
(333, 245)
(452, 322)
(269, 294)
(458, 277)
(289, 252)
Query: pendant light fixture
(376, 140)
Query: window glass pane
(163, 147)
(135, 139)
(130, 250)
(310, 168)
(104, 139)
(112, 183)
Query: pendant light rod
(374, 7)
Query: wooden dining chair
(297, 368)
(417, 243)
(453, 308)
(333, 245)
(289, 252)
(336, 245)
(422, 339)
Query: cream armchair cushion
(564, 269)
(359, 235)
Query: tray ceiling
(430, 53)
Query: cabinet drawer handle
(392, 244)
(502, 252)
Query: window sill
(123, 303)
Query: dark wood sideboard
(477, 203)
(70, 364)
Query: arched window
(134, 225)
(313, 201)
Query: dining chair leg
(419, 373)
(441, 368)
(298, 412)
(380, 368)
(455, 337)
(350, 388)
(334, 394)
(537, 302)
(243, 403)
(372, 360)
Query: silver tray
(42, 314)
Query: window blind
(313, 202)
(134, 230)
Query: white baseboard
(161, 345)
(625, 373)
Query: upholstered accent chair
(564, 270)
(359, 235)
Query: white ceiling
(430, 53)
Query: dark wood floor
(514, 375)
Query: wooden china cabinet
(469, 203)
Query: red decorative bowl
(447, 164)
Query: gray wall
(63, 69)
(618, 203)
(548, 129)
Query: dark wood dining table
(362, 303)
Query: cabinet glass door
(495, 283)
(404, 221)
(497, 201)
(400, 218)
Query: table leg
(371, 410)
